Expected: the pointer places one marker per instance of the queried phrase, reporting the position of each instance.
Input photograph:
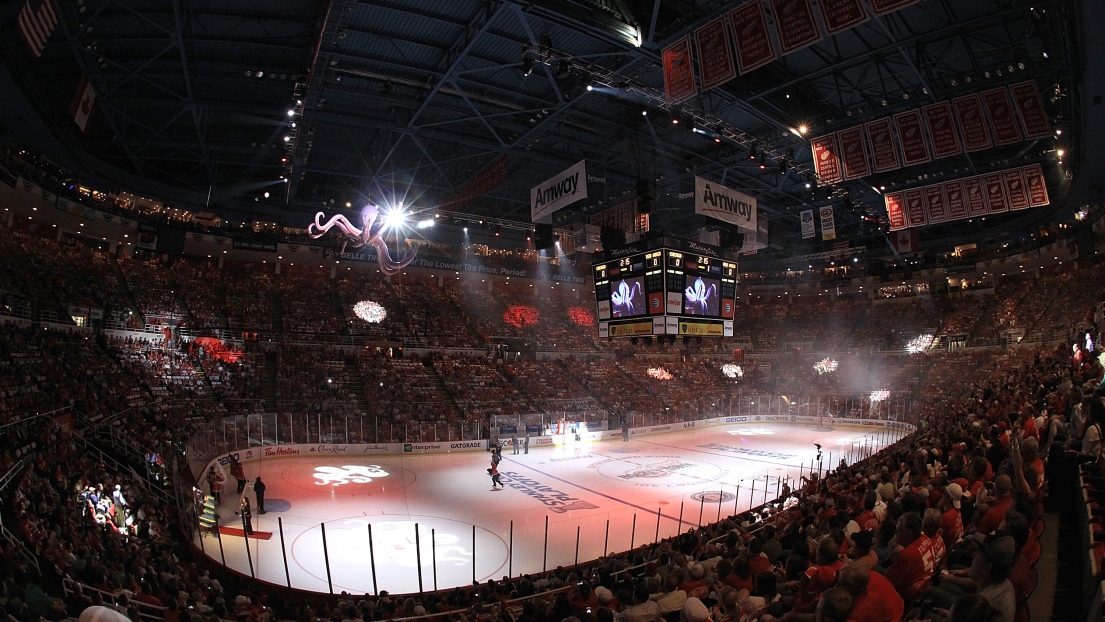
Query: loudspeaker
(646, 196)
(543, 237)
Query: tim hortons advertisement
(725, 204)
(558, 192)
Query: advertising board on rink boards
(253, 454)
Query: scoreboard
(665, 286)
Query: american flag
(36, 26)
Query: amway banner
(725, 204)
(558, 192)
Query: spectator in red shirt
(991, 520)
(757, 560)
(696, 586)
(867, 520)
(912, 569)
(873, 597)
(951, 524)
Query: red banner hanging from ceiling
(941, 127)
(996, 199)
(1033, 116)
(715, 54)
(826, 159)
(895, 212)
(975, 195)
(840, 15)
(1037, 185)
(915, 208)
(882, 7)
(1016, 189)
(912, 137)
(884, 153)
(999, 106)
(754, 46)
(954, 195)
(679, 71)
(795, 24)
(968, 109)
(853, 151)
(935, 205)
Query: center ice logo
(355, 474)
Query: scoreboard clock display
(665, 290)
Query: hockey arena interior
(552, 311)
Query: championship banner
(972, 122)
(795, 24)
(825, 160)
(884, 154)
(679, 71)
(854, 152)
(1033, 116)
(895, 213)
(882, 7)
(941, 126)
(915, 208)
(1002, 120)
(935, 206)
(957, 204)
(557, 192)
(996, 199)
(840, 15)
(975, 196)
(1016, 188)
(828, 224)
(1037, 185)
(912, 137)
(725, 204)
(754, 46)
(808, 228)
(715, 56)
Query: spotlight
(644, 112)
(291, 113)
(422, 224)
(753, 151)
(395, 218)
(466, 229)
(763, 162)
(527, 66)
(590, 88)
(266, 195)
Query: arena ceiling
(414, 98)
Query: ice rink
(596, 497)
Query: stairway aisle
(268, 384)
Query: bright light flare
(732, 371)
(395, 218)
(424, 224)
(369, 311)
(919, 344)
(880, 395)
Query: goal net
(825, 423)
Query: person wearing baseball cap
(951, 503)
(988, 575)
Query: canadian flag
(905, 241)
(81, 109)
(36, 26)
